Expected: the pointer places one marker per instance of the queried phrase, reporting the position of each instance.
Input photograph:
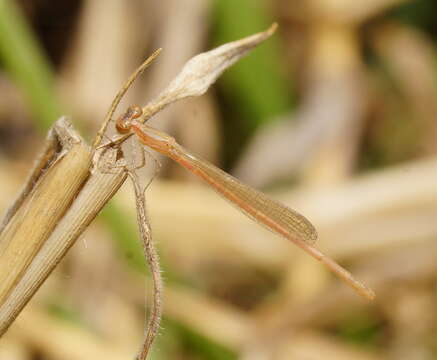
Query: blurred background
(334, 116)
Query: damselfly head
(124, 122)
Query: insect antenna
(119, 96)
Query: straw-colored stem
(52, 214)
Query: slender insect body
(154, 139)
(273, 215)
(269, 213)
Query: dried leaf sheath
(88, 200)
(39, 211)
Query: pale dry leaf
(201, 71)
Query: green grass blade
(258, 83)
(25, 62)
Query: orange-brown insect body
(275, 216)
(123, 123)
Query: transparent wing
(267, 212)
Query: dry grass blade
(152, 258)
(46, 156)
(63, 202)
(200, 72)
(41, 205)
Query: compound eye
(124, 122)
(122, 126)
(135, 111)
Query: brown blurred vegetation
(336, 114)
